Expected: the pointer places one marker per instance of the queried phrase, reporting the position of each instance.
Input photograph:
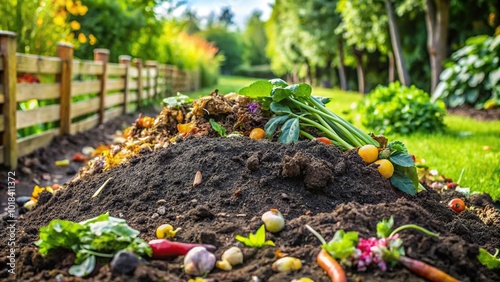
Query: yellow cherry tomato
(385, 168)
(369, 153)
(257, 133)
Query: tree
(255, 40)
(226, 16)
(437, 21)
(230, 45)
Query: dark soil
(483, 114)
(310, 183)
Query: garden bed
(242, 178)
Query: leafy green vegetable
(303, 111)
(219, 128)
(102, 236)
(177, 101)
(384, 227)
(257, 240)
(343, 245)
(491, 261)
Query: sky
(242, 9)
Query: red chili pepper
(163, 248)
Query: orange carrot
(425, 270)
(331, 266)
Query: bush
(473, 75)
(400, 109)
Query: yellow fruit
(385, 168)
(257, 133)
(369, 153)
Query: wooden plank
(2, 95)
(116, 70)
(132, 97)
(26, 91)
(102, 55)
(1, 62)
(87, 67)
(133, 84)
(112, 113)
(38, 64)
(30, 143)
(2, 123)
(85, 87)
(114, 99)
(2, 159)
(85, 107)
(85, 124)
(65, 53)
(115, 84)
(134, 72)
(125, 61)
(9, 82)
(38, 115)
(138, 64)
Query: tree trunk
(342, 76)
(396, 45)
(359, 69)
(437, 20)
(392, 74)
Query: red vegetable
(323, 140)
(425, 270)
(457, 205)
(163, 248)
(331, 266)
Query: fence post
(152, 86)
(9, 81)
(65, 53)
(138, 64)
(125, 60)
(102, 55)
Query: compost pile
(150, 182)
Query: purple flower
(253, 107)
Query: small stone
(162, 201)
(155, 215)
(161, 210)
(241, 215)
(20, 201)
(284, 196)
(308, 212)
(222, 214)
(194, 201)
(120, 215)
(124, 262)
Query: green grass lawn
(461, 146)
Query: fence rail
(82, 94)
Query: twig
(101, 188)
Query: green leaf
(218, 128)
(279, 94)
(403, 182)
(260, 88)
(290, 131)
(397, 146)
(278, 82)
(384, 227)
(273, 124)
(343, 244)
(322, 100)
(302, 90)
(491, 261)
(278, 108)
(60, 233)
(177, 101)
(401, 159)
(83, 269)
(411, 172)
(257, 240)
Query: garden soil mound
(310, 183)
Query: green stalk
(345, 131)
(307, 135)
(362, 135)
(413, 226)
(325, 130)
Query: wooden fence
(86, 93)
